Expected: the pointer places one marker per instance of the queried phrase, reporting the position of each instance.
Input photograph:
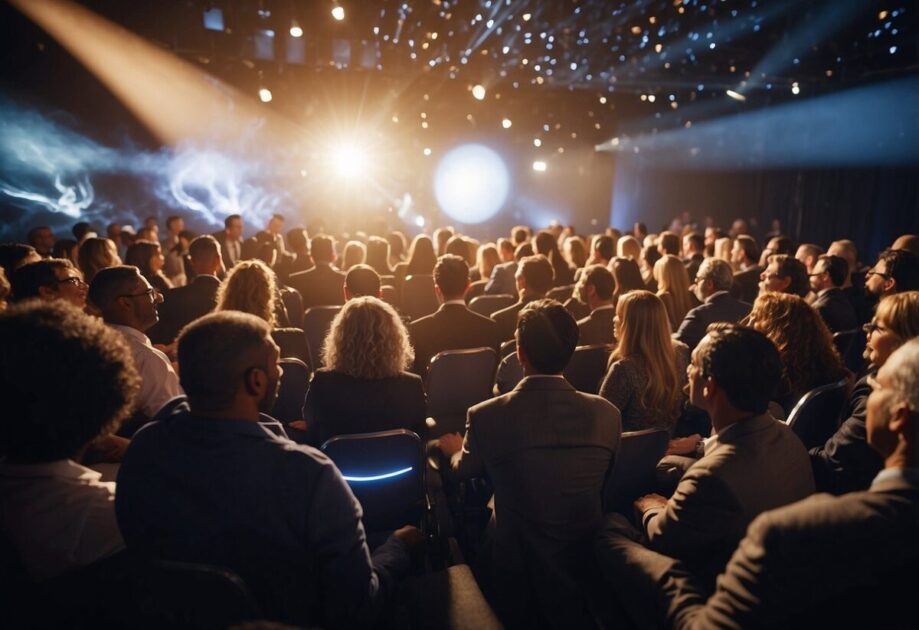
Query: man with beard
(218, 482)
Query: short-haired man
(453, 326)
(895, 271)
(668, 243)
(174, 265)
(321, 285)
(534, 278)
(746, 279)
(217, 481)
(777, 246)
(230, 239)
(362, 280)
(909, 242)
(595, 288)
(752, 462)
(785, 274)
(42, 239)
(547, 449)
(502, 281)
(847, 561)
(693, 253)
(829, 272)
(50, 279)
(56, 514)
(128, 304)
(854, 286)
(808, 253)
(275, 230)
(712, 287)
(196, 299)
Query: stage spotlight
(506, 123)
(478, 92)
(295, 30)
(338, 13)
(539, 166)
(264, 95)
(349, 161)
(737, 96)
(471, 183)
(795, 88)
(419, 221)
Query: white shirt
(58, 516)
(159, 382)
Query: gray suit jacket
(719, 308)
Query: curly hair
(805, 344)
(250, 287)
(367, 340)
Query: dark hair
(297, 238)
(33, 233)
(523, 250)
(230, 218)
(547, 335)
(396, 241)
(748, 244)
(457, 247)
(63, 248)
(204, 248)
(903, 266)
(650, 255)
(378, 255)
(670, 243)
(215, 352)
(696, 240)
(110, 283)
(28, 279)
(791, 267)
(81, 229)
(520, 234)
(12, 253)
(605, 246)
(322, 248)
(362, 280)
(784, 245)
(277, 217)
(626, 275)
(422, 257)
(601, 279)
(546, 244)
(537, 273)
(451, 274)
(837, 267)
(172, 219)
(744, 363)
(53, 408)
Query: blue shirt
(235, 493)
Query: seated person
(595, 288)
(217, 482)
(847, 562)
(753, 462)
(362, 280)
(49, 279)
(534, 278)
(364, 386)
(65, 379)
(713, 281)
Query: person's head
(575, 251)
(714, 275)
(596, 286)
(535, 275)
(275, 224)
(42, 239)
(65, 248)
(604, 248)
(895, 321)
(146, 234)
(441, 237)
(233, 227)
(545, 243)
(520, 234)
(523, 250)
(745, 252)
(734, 368)
(50, 279)
(486, 258)
(672, 276)
(628, 247)
(124, 297)
(322, 249)
(204, 254)
(546, 337)
(378, 255)
(712, 234)
(354, 253)
(777, 246)
(298, 240)
(55, 408)
(249, 287)
(421, 256)
(668, 243)
(13, 255)
(396, 246)
(367, 340)
(81, 230)
(506, 249)
(174, 225)
(229, 363)
(457, 246)
(785, 274)
(146, 256)
(847, 250)
(909, 242)
(113, 231)
(362, 280)
(808, 253)
(693, 244)
(639, 230)
(151, 223)
(96, 254)
(451, 277)
(626, 274)
(828, 272)
(896, 270)
(892, 420)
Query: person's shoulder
(409, 379)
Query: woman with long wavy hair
(250, 287)
(805, 344)
(545, 243)
(364, 386)
(647, 370)
(673, 288)
(627, 275)
(95, 254)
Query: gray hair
(718, 271)
(903, 370)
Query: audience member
(595, 288)
(693, 253)
(378, 255)
(808, 253)
(627, 276)
(896, 270)
(575, 252)
(172, 266)
(673, 289)
(360, 281)
(649, 257)
(396, 248)
(83, 230)
(784, 274)
(14, 255)
(442, 236)
(275, 230)
(95, 254)
(148, 257)
(602, 250)
(250, 287)
(854, 286)
(668, 244)
(486, 258)
(534, 279)
(503, 280)
(712, 285)
(628, 247)
(50, 279)
(42, 239)
(230, 239)
(298, 239)
(908, 242)
(321, 285)
(544, 243)
(421, 259)
(744, 257)
(65, 248)
(777, 246)
(827, 277)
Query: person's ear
(901, 418)
(254, 381)
(46, 293)
(346, 292)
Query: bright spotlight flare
(349, 161)
(338, 12)
(478, 92)
(737, 96)
(471, 183)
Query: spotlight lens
(539, 166)
(296, 31)
(338, 13)
(349, 161)
(471, 183)
(506, 123)
(264, 95)
(478, 92)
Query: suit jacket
(692, 266)
(320, 286)
(221, 238)
(182, 306)
(506, 318)
(836, 310)
(746, 284)
(452, 327)
(720, 307)
(503, 280)
(597, 327)
(755, 465)
(828, 562)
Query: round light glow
(471, 183)
(348, 161)
(539, 166)
(264, 95)
(478, 92)
(296, 31)
(506, 123)
(338, 13)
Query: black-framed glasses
(73, 281)
(872, 272)
(151, 293)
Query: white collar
(133, 333)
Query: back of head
(110, 284)
(65, 379)
(28, 279)
(297, 239)
(204, 249)
(457, 246)
(362, 280)
(629, 247)
(546, 335)
(544, 243)
(81, 229)
(846, 249)
(537, 273)
(215, 352)
(139, 254)
(671, 275)
(903, 370)
(250, 287)
(900, 313)
(378, 254)
(909, 242)
(601, 279)
(627, 275)
(451, 275)
(718, 271)
(95, 254)
(744, 364)
(322, 249)
(520, 234)
(669, 243)
(792, 268)
(605, 247)
(749, 247)
(422, 257)
(367, 340)
(12, 255)
(903, 268)
(523, 250)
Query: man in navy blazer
(713, 282)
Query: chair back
(418, 297)
(561, 293)
(390, 295)
(457, 380)
(294, 305)
(295, 381)
(851, 344)
(386, 473)
(488, 304)
(587, 367)
(816, 416)
(475, 289)
(292, 343)
(507, 347)
(316, 323)
(510, 372)
(634, 468)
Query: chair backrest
(488, 304)
(316, 323)
(390, 295)
(386, 473)
(816, 416)
(475, 289)
(295, 381)
(292, 343)
(633, 472)
(561, 293)
(510, 372)
(587, 367)
(457, 380)
(507, 347)
(851, 344)
(418, 297)
(294, 305)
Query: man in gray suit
(751, 464)
(713, 282)
(547, 448)
(847, 561)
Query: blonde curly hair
(367, 340)
(250, 287)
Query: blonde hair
(673, 279)
(250, 287)
(96, 254)
(367, 340)
(900, 313)
(723, 248)
(486, 259)
(643, 331)
(628, 247)
(354, 253)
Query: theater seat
(316, 323)
(587, 367)
(817, 415)
(292, 343)
(418, 297)
(488, 304)
(634, 469)
(295, 382)
(457, 380)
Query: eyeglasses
(769, 276)
(872, 272)
(73, 281)
(872, 327)
(151, 293)
(815, 274)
